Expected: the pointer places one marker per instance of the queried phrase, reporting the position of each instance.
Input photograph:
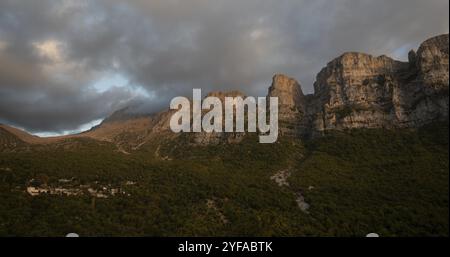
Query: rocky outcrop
(291, 104)
(423, 91)
(361, 91)
(354, 91)
(432, 62)
(215, 138)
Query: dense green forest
(392, 182)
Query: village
(70, 187)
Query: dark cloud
(53, 52)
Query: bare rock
(362, 91)
(291, 104)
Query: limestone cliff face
(204, 138)
(423, 90)
(361, 91)
(355, 90)
(291, 104)
(432, 62)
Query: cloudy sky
(66, 64)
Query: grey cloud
(169, 47)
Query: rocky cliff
(355, 90)
(291, 104)
(204, 138)
(358, 90)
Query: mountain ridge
(354, 90)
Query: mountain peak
(291, 103)
(281, 82)
(441, 42)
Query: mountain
(358, 90)
(355, 90)
(361, 91)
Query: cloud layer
(66, 63)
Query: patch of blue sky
(109, 81)
(401, 53)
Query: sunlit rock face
(432, 62)
(423, 97)
(356, 90)
(362, 91)
(291, 104)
